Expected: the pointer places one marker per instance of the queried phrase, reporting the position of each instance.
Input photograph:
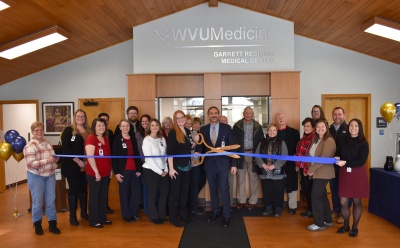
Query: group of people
(165, 182)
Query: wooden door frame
(2, 167)
(367, 115)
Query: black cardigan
(118, 164)
(76, 147)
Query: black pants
(306, 186)
(97, 199)
(194, 187)
(179, 194)
(320, 203)
(157, 194)
(129, 193)
(273, 193)
(77, 184)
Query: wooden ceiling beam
(212, 3)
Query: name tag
(348, 169)
(101, 152)
(124, 145)
(73, 138)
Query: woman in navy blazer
(127, 171)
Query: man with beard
(132, 113)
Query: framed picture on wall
(56, 116)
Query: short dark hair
(212, 107)
(339, 108)
(103, 114)
(93, 127)
(130, 108)
(308, 119)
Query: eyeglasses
(180, 118)
(38, 130)
(80, 116)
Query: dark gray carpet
(201, 234)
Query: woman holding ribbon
(323, 146)
(353, 179)
(98, 171)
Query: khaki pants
(241, 180)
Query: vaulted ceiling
(97, 24)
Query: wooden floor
(287, 231)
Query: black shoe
(109, 210)
(53, 227)
(163, 220)
(292, 211)
(353, 233)
(98, 225)
(213, 218)
(176, 223)
(136, 217)
(226, 222)
(157, 221)
(343, 229)
(197, 212)
(38, 227)
(306, 214)
(107, 222)
(130, 220)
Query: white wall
(20, 122)
(327, 69)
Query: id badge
(73, 138)
(101, 152)
(124, 145)
(348, 169)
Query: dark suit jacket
(131, 129)
(224, 133)
(118, 164)
(291, 138)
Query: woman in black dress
(353, 177)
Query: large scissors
(214, 149)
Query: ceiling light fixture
(3, 5)
(384, 28)
(33, 42)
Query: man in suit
(338, 132)
(132, 114)
(217, 168)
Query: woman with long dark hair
(353, 179)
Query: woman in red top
(98, 171)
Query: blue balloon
(18, 144)
(10, 136)
(397, 105)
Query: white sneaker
(314, 227)
(328, 223)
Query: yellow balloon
(388, 111)
(5, 151)
(17, 156)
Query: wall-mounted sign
(380, 122)
(222, 39)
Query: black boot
(83, 205)
(72, 203)
(53, 227)
(38, 227)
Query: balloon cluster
(13, 144)
(389, 110)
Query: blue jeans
(42, 188)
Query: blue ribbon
(320, 160)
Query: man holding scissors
(217, 168)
